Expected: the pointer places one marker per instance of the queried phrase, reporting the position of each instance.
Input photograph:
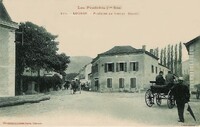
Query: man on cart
(159, 79)
(169, 79)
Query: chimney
(151, 51)
(144, 47)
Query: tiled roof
(119, 50)
(191, 42)
(5, 19)
(3, 13)
(123, 50)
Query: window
(109, 82)
(133, 82)
(121, 82)
(95, 68)
(96, 82)
(109, 67)
(152, 68)
(156, 70)
(121, 66)
(134, 66)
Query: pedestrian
(169, 79)
(159, 79)
(182, 96)
(77, 82)
(73, 86)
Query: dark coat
(160, 80)
(181, 93)
(169, 78)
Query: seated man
(169, 79)
(159, 79)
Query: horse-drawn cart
(159, 92)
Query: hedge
(43, 83)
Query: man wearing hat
(182, 96)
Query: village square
(41, 86)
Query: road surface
(91, 108)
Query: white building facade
(193, 48)
(124, 68)
(7, 53)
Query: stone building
(84, 74)
(185, 67)
(124, 68)
(7, 53)
(193, 48)
(85, 71)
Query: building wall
(185, 67)
(88, 71)
(7, 62)
(194, 53)
(148, 74)
(143, 75)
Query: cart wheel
(170, 100)
(197, 94)
(158, 99)
(149, 98)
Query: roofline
(6, 10)
(163, 65)
(187, 44)
(137, 52)
(9, 24)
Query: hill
(77, 62)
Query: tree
(180, 60)
(165, 61)
(59, 62)
(168, 57)
(175, 60)
(161, 56)
(37, 46)
(37, 50)
(172, 59)
(157, 52)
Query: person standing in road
(159, 79)
(78, 85)
(182, 96)
(73, 86)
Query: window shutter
(92, 69)
(133, 82)
(137, 66)
(117, 67)
(131, 66)
(125, 67)
(121, 82)
(105, 67)
(113, 67)
(110, 83)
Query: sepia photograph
(99, 63)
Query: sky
(154, 23)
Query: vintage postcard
(99, 63)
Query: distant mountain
(77, 62)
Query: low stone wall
(18, 100)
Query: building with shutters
(193, 48)
(7, 53)
(124, 68)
